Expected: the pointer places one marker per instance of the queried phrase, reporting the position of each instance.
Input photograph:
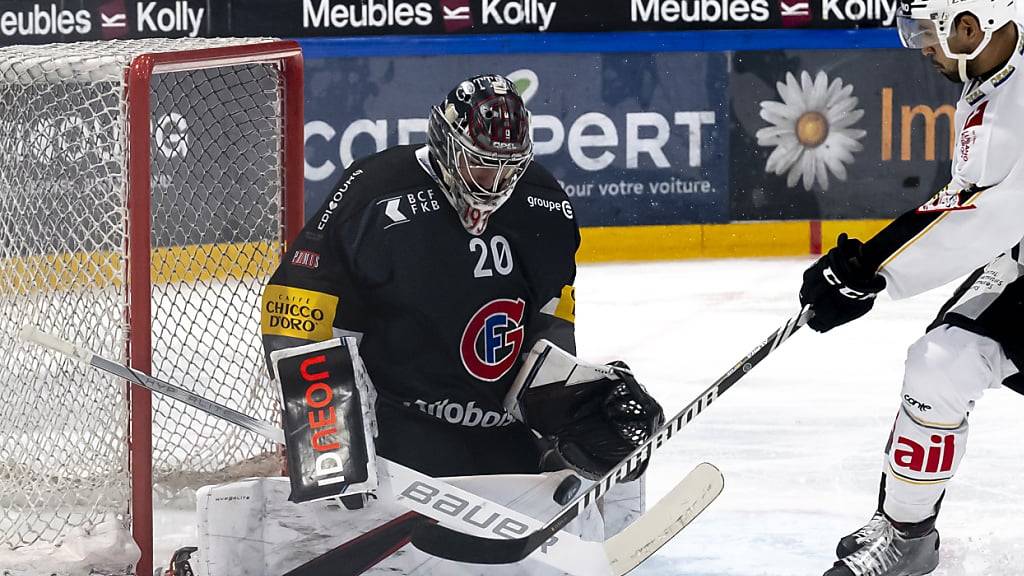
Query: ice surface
(799, 439)
(106, 549)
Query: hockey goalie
(400, 324)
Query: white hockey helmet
(924, 23)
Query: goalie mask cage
(147, 188)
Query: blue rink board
(688, 41)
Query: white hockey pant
(947, 370)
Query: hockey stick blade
(444, 542)
(675, 511)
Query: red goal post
(139, 76)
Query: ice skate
(889, 552)
(852, 542)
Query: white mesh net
(216, 205)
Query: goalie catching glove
(593, 416)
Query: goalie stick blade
(659, 524)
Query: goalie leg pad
(249, 527)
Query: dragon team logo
(492, 339)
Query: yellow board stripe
(735, 240)
(860, 229)
(205, 262)
(101, 269)
(66, 271)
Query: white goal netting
(216, 181)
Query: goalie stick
(623, 552)
(444, 542)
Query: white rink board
(799, 439)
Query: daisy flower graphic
(811, 129)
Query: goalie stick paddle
(444, 542)
(359, 555)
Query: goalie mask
(924, 23)
(480, 139)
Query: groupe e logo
(551, 205)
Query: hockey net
(146, 188)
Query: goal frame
(138, 307)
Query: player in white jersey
(975, 223)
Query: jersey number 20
(500, 254)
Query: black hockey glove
(839, 287)
(607, 424)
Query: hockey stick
(359, 555)
(444, 542)
(425, 495)
(565, 552)
(622, 552)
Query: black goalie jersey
(443, 315)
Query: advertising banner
(357, 17)
(837, 135)
(31, 22)
(27, 22)
(354, 17)
(634, 138)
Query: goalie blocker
(329, 425)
